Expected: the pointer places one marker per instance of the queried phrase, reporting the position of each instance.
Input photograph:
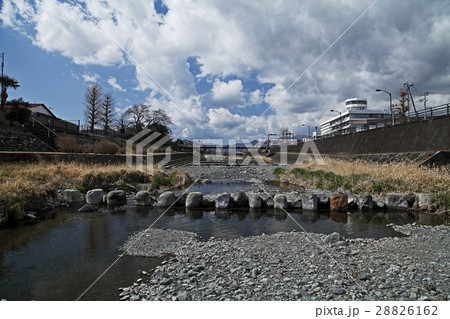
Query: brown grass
(414, 178)
(28, 186)
(373, 178)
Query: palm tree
(7, 82)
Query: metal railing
(49, 130)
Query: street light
(390, 104)
(268, 139)
(340, 120)
(309, 129)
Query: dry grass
(28, 186)
(373, 178)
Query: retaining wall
(426, 136)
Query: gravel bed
(261, 173)
(294, 266)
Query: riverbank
(294, 266)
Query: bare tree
(159, 121)
(138, 116)
(92, 105)
(107, 112)
(122, 123)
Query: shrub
(67, 143)
(106, 148)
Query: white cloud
(113, 82)
(227, 93)
(263, 42)
(90, 77)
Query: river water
(58, 258)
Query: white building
(355, 118)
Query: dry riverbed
(294, 266)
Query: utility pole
(3, 66)
(424, 100)
(408, 85)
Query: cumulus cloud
(227, 93)
(249, 54)
(90, 77)
(113, 82)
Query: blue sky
(216, 66)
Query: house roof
(32, 107)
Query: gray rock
(254, 200)
(143, 198)
(364, 277)
(72, 195)
(209, 200)
(181, 200)
(365, 202)
(206, 181)
(378, 203)
(338, 291)
(309, 202)
(117, 197)
(94, 196)
(280, 201)
(166, 199)
(424, 200)
(294, 200)
(332, 238)
(194, 199)
(240, 199)
(396, 201)
(323, 202)
(223, 200)
(410, 198)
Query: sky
(227, 69)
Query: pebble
(265, 267)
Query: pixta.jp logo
(145, 145)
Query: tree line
(99, 111)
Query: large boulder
(72, 195)
(280, 201)
(424, 200)
(117, 197)
(365, 202)
(323, 202)
(223, 200)
(194, 199)
(166, 199)
(396, 201)
(143, 198)
(294, 200)
(240, 199)
(339, 203)
(267, 200)
(254, 200)
(94, 196)
(378, 203)
(209, 200)
(309, 202)
(181, 200)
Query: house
(43, 115)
